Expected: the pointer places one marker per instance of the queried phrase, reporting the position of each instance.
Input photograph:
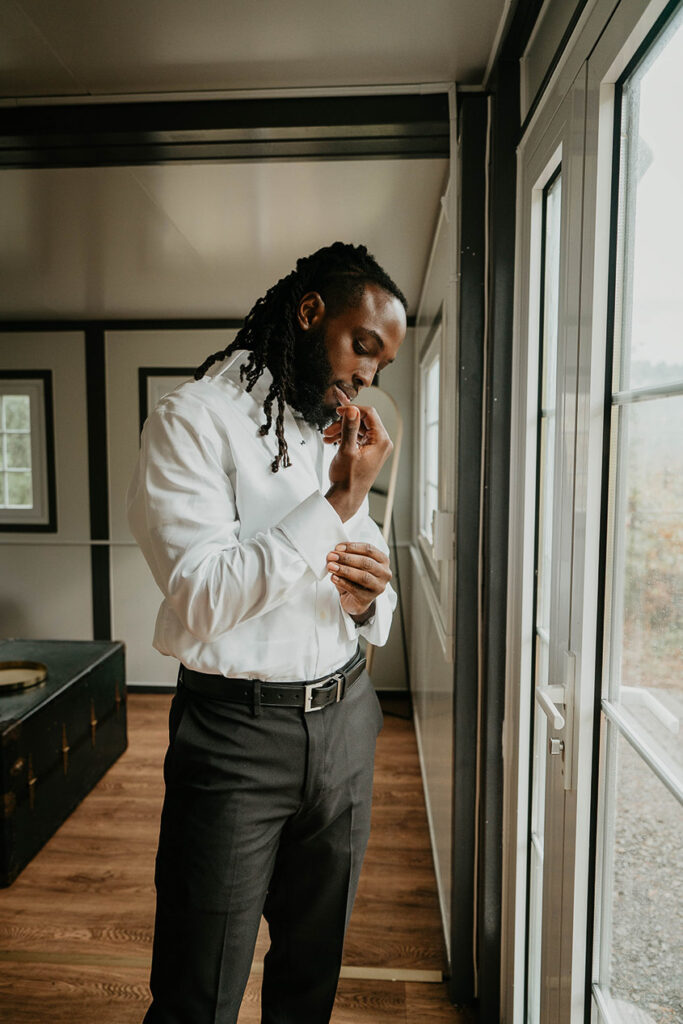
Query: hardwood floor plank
(72, 994)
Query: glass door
(552, 174)
(638, 950)
(595, 604)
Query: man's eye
(359, 348)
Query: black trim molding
(164, 131)
(145, 372)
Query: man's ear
(310, 311)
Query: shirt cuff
(314, 528)
(376, 629)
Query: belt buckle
(337, 677)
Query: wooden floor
(76, 925)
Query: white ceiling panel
(72, 47)
(205, 240)
(28, 66)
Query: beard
(312, 377)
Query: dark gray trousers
(269, 814)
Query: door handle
(548, 697)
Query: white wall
(45, 578)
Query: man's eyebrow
(375, 335)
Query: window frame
(42, 517)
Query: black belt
(311, 696)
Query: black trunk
(57, 739)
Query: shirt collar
(230, 367)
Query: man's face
(336, 356)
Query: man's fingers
(361, 564)
(370, 563)
(370, 419)
(349, 429)
(361, 547)
(332, 433)
(377, 575)
(366, 420)
(361, 578)
(358, 586)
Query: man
(271, 568)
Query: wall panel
(45, 578)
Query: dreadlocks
(339, 273)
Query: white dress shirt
(239, 552)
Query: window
(436, 409)
(26, 451)
(429, 405)
(15, 455)
(430, 454)
(639, 947)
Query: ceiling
(206, 239)
(179, 240)
(81, 47)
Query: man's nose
(364, 378)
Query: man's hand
(364, 446)
(360, 574)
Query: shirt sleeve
(183, 514)
(361, 527)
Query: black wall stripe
(101, 602)
(98, 480)
(472, 120)
(140, 324)
(113, 324)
